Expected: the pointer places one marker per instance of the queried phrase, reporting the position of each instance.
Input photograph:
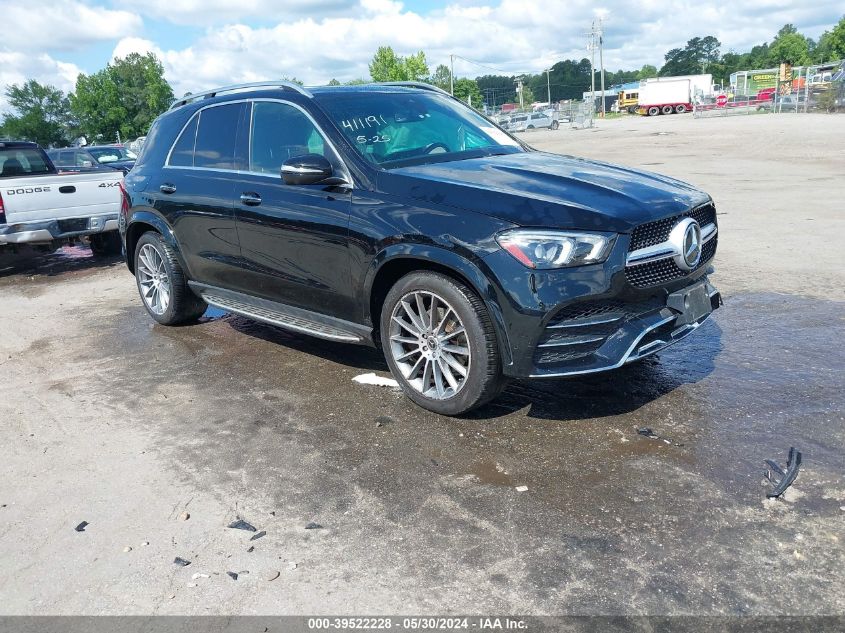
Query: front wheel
(439, 343)
(162, 283)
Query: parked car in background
(38, 205)
(137, 145)
(110, 156)
(531, 121)
(397, 216)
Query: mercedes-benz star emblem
(685, 237)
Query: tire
(106, 244)
(162, 283)
(555, 125)
(653, 111)
(680, 109)
(475, 349)
(667, 109)
(530, 127)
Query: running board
(284, 316)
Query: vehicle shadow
(32, 262)
(582, 397)
(357, 356)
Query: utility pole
(452, 74)
(549, 87)
(593, 66)
(601, 63)
(518, 82)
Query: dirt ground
(111, 419)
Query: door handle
(250, 198)
(67, 189)
(167, 188)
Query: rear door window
(215, 144)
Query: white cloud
(513, 36)
(316, 40)
(16, 68)
(61, 25)
(215, 12)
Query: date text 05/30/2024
(418, 623)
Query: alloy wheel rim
(429, 344)
(153, 279)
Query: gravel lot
(110, 419)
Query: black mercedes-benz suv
(395, 215)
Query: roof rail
(412, 84)
(208, 94)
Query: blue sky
(205, 43)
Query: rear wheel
(439, 342)
(681, 108)
(653, 111)
(554, 125)
(667, 109)
(105, 244)
(162, 283)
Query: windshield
(111, 154)
(392, 129)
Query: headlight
(555, 249)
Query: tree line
(570, 78)
(129, 93)
(121, 99)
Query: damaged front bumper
(599, 336)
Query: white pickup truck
(40, 206)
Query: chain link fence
(819, 88)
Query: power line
(498, 70)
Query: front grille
(665, 270)
(658, 231)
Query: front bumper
(603, 335)
(48, 230)
(588, 319)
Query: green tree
(789, 46)
(124, 97)
(467, 91)
(442, 77)
(388, 66)
(42, 114)
(416, 68)
(837, 40)
(647, 72)
(694, 58)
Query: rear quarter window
(182, 154)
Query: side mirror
(308, 169)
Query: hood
(547, 190)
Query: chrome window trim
(198, 114)
(248, 172)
